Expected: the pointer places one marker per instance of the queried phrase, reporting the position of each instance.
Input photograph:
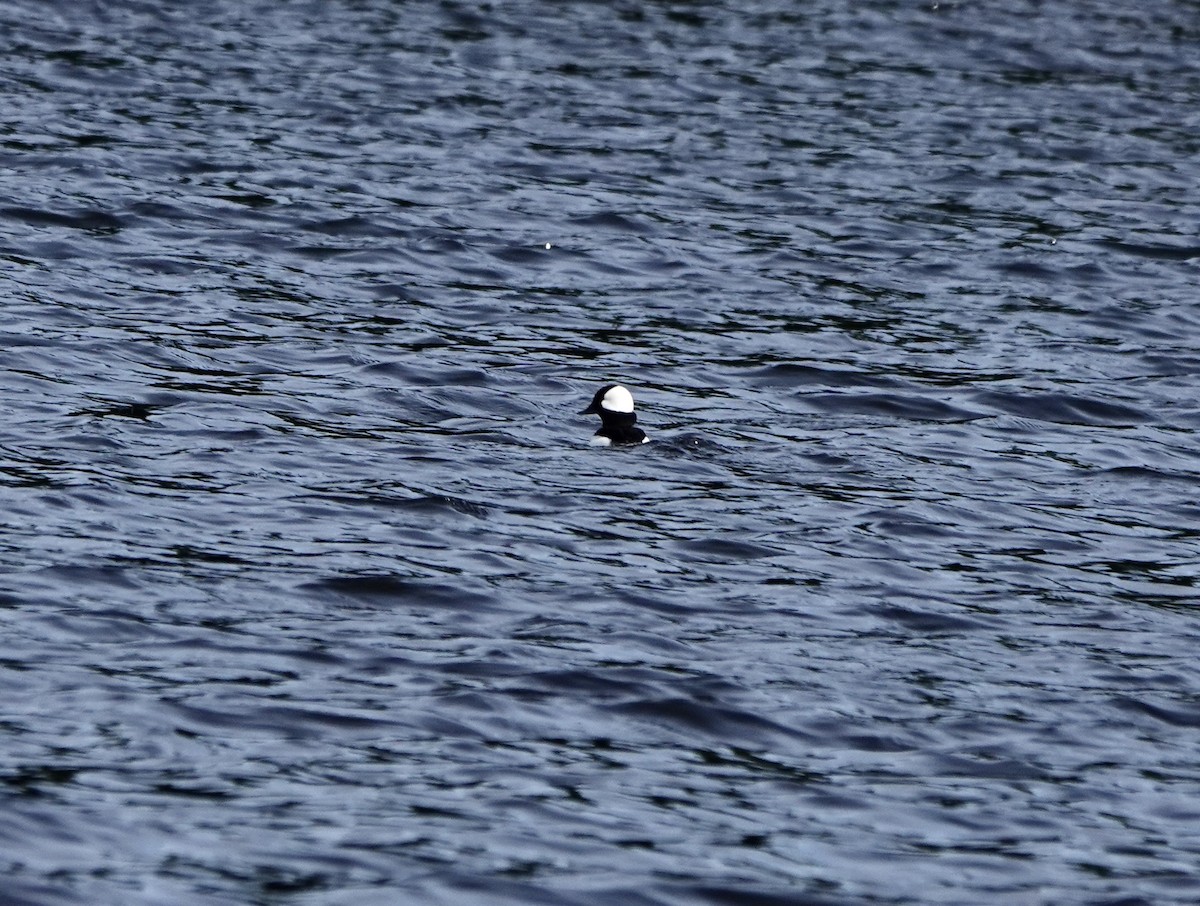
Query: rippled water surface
(314, 591)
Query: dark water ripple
(314, 591)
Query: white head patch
(618, 400)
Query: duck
(614, 404)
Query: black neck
(617, 419)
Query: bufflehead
(614, 405)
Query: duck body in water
(614, 404)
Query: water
(314, 591)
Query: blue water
(314, 591)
